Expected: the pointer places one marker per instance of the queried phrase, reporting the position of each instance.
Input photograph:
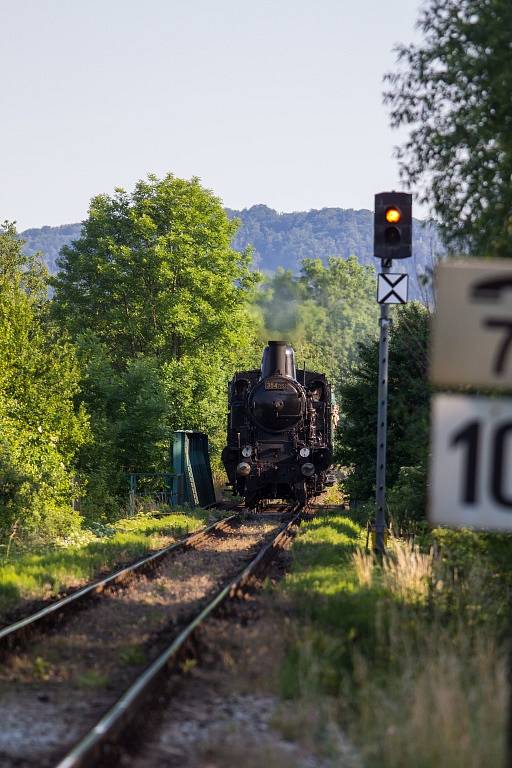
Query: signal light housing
(393, 226)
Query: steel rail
(17, 631)
(87, 751)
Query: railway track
(16, 635)
(91, 728)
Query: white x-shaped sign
(392, 288)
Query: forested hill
(282, 239)
(49, 240)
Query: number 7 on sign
(504, 348)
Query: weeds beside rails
(408, 653)
(40, 571)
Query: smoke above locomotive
(279, 432)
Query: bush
(407, 500)
(41, 430)
(409, 399)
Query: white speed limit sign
(471, 467)
(472, 327)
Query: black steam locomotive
(279, 442)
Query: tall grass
(412, 649)
(406, 572)
(363, 563)
(442, 705)
(434, 694)
(42, 572)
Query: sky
(275, 101)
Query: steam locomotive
(279, 441)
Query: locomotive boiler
(279, 441)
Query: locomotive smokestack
(278, 360)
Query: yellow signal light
(393, 215)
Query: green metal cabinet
(192, 481)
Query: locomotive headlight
(247, 451)
(308, 469)
(304, 452)
(243, 469)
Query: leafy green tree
(324, 312)
(196, 390)
(409, 395)
(343, 294)
(154, 274)
(407, 499)
(128, 414)
(453, 92)
(40, 428)
(157, 298)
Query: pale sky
(267, 101)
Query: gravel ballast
(53, 692)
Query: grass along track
(17, 633)
(31, 576)
(407, 656)
(53, 692)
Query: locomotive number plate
(276, 385)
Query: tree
(156, 298)
(154, 274)
(323, 312)
(453, 91)
(41, 430)
(196, 391)
(409, 396)
(128, 415)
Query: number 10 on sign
(471, 470)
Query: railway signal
(392, 240)
(392, 235)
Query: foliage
(128, 412)
(155, 297)
(409, 394)
(453, 92)
(464, 549)
(407, 500)
(196, 391)
(357, 628)
(153, 273)
(323, 312)
(285, 239)
(40, 429)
